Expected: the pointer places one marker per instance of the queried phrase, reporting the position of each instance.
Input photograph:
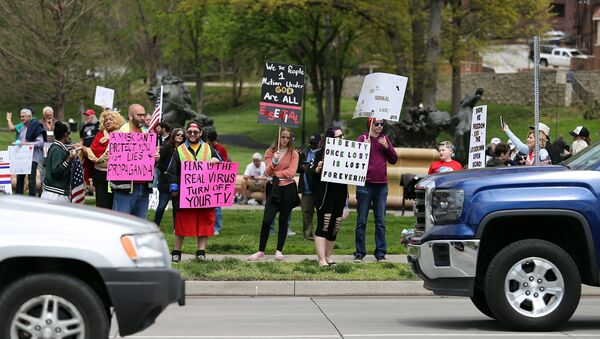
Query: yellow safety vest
(204, 154)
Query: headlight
(447, 205)
(146, 250)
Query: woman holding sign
(191, 222)
(331, 201)
(282, 194)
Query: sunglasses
(193, 132)
(378, 124)
(179, 134)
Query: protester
(191, 222)
(176, 138)
(147, 120)
(212, 138)
(57, 183)
(331, 200)
(529, 149)
(515, 158)
(254, 178)
(163, 129)
(374, 192)
(554, 152)
(132, 197)
(97, 154)
(306, 184)
(90, 127)
(490, 150)
(581, 139)
(282, 194)
(48, 123)
(29, 132)
(500, 156)
(446, 163)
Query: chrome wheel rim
(534, 287)
(47, 316)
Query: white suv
(64, 267)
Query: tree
(48, 44)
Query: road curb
(319, 288)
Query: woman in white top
(581, 139)
(529, 149)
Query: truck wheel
(544, 63)
(480, 302)
(532, 285)
(51, 305)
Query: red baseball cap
(90, 112)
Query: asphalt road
(300, 317)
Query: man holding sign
(191, 222)
(132, 193)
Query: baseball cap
(256, 156)
(89, 112)
(314, 138)
(511, 145)
(543, 128)
(580, 131)
(495, 141)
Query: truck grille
(419, 209)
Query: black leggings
(288, 200)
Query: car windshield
(588, 159)
(576, 53)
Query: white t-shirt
(578, 146)
(252, 170)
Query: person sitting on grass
(254, 179)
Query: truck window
(565, 54)
(556, 53)
(588, 159)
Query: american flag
(157, 114)
(77, 187)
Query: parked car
(560, 56)
(65, 268)
(519, 241)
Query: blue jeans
(218, 219)
(163, 201)
(134, 203)
(366, 196)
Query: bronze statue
(177, 104)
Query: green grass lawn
(241, 230)
(235, 269)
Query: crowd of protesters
(271, 181)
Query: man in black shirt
(90, 128)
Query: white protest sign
(345, 161)
(5, 178)
(104, 97)
(477, 143)
(20, 158)
(381, 96)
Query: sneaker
(252, 202)
(217, 232)
(358, 259)
(175, 256)
(200, 256)
(381, 259)
(290, 232)
(256, 256)
(279, 256)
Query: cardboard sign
(131, 156)
(381, 96)
(205, 185)
(477, 141)
(5, 178)
(345, 161)
(281, 94)
(104, 97)
(20, 158)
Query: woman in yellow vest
(191, 222)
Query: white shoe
(252, 202)
(290, 232)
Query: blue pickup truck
(519, 241)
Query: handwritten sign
(281, 94)
(131, 156)
(20, 158)
(477, 141)
(205, 185)
(381, 96)
(5, 178)
(345, 161)
(104, 97)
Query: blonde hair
(290, 146)
(117, 118)
(543, 138)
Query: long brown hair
(290, 146)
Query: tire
(478, 299)
(25, 303)
(542, 281)
(544, 63)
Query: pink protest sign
(131, 156)
(206, 185)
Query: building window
(558, 10)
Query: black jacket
(310, 175)
(166, 156)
